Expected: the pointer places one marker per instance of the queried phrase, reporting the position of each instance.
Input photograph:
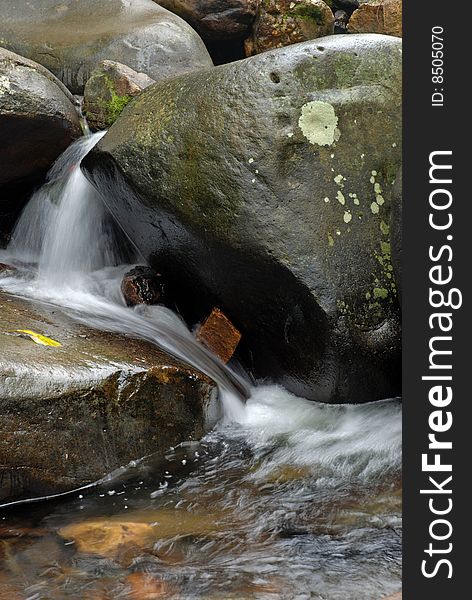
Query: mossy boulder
(264, 187)
(109, 89)
(70, 38)
(284, 22)
(38, 120)
(71, 414)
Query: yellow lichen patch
(38, 338)
(384, 228)
(341, 198)
(318, 123)
(374, 207)
(347, 217)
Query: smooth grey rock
(264, 187)
(38, 120)
(71, 37)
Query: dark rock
(110, 88)
(7, 269)
(396, 229)
(264, 187)
(38, 120)
(219, 335)
(215, 19)
(70, 38)
(143, 285)
(341, 19)
(71, 414)
(283, 22)
(348, 5)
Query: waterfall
(80, 259)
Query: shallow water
(284, 498)
(272, 507)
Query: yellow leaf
(38, 338)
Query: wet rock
(264, 187)
(110, 88)
(38, 120)
(110, 536)
(143, 285)
(215, 19)
(70, 38)
(381, 16)
(7, 269)
(73, 413)
(219, 335)
(284, 22)
(107, 537)
(147, 587)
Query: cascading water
(67, 233)
(285, 498)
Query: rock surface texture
(109, 89)
(38, 120)
(71, 414)
(264, 187)
(70, 38)
(284, 22)
(215, 19)
(380, 16)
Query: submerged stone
(71, 414)
(250, 187)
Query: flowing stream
(284, 498)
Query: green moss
(309, 13)
(116, 105)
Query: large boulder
(70, 38)
(72, 413)
(215, 19)
(38, 120)
(263, 187)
